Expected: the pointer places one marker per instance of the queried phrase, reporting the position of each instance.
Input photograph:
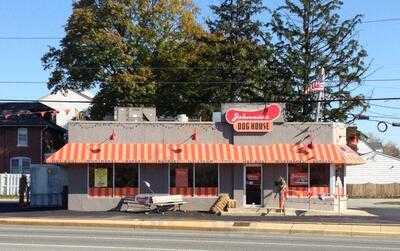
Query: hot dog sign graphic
(253, 121)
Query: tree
(238, 52)
(389, 148)
(310, 36)
(116, 46)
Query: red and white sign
(253, 121)
(298, 179)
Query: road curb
(228, 226)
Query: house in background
(27, 133)
(67, 110)
(379, 168)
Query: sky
(20, 58)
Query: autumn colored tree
(116, 46)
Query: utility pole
(320, 95)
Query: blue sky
(20, 59)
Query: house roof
(26, 114)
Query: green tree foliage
(116, 45)
(153, 52)
(310, 36)
(239, 50)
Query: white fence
(9, 183)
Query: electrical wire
(267, 101)
(204, 82)
(384, 20)
(385, 106)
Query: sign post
(320, 96)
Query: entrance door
(253, 185)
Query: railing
(9, 183)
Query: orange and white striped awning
(204, 153)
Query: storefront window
(126, 180)
(206, 180)
(181, 179)
(300, 186)
(101, 180)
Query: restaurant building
(243, 152)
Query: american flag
(315, 86)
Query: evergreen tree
(239, 50)
(310, 36)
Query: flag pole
(317, 115)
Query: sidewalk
(217, 225)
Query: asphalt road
(385, 211)
(68, 238)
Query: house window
(20, 165)
(22, 137)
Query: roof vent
(182, 118)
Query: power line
(385, 106)
(204, 82)
(382, 116)
(384, 20)
(267, 101)
(30, 38)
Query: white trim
(332, 179)
(169, 178)
(139, 178)
(194, 180)
(308, 178)
(87, 180)
(113, 180)
(287, 174)
(218, 189)
(244, 185)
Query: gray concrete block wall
(289, 133)
(207, 132)
(226, 179)
(77, 179)
(147, 132)
(238, 186)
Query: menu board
(181, 177)
(100, 177)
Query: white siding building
(67, 110)
(379, 169)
